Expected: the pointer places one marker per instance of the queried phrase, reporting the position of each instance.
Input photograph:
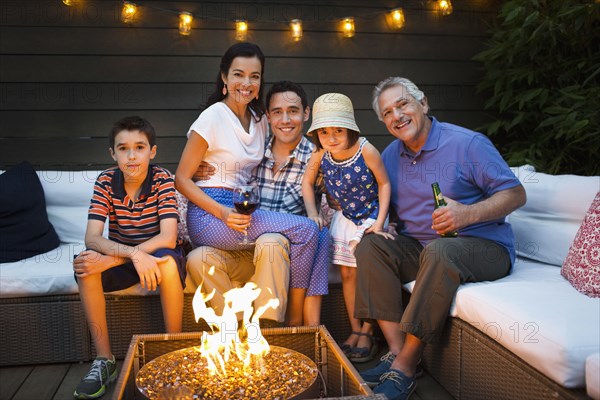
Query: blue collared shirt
(468, 169)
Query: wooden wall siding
(67, 73)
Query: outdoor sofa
(530, 335)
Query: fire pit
(340, 378)
(233, 360)
(230, 362)
(281, 374)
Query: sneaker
(93, 385)
(373, 375)
(395, 385)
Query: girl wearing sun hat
(355, 176)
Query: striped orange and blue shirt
(129, 222)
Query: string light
(241, 30)
(397, 18)
(296, 27)
(348, 27)
(445, 7)
(185, 23)
(129, 12)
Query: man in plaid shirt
(279, 178)
(279, 175)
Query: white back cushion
(68, 195)
(556, 204)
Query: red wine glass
(246, 199)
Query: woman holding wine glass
(230, 135)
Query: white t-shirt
(231, 150)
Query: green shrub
(542, 72)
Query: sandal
(346, 348)
(365, 354)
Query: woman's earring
(224, 90)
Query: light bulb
(296, 27)
(397, 18)
(129, 12)
(185, 23)
(445, 7)
(348, 27)
(241, 30)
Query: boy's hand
(204, 172)
(90, 262)
(147, 268)
(235, 220)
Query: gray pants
(438, 268)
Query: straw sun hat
(333, 109)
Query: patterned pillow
(183, 237)
(582, 265)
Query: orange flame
(225, 340)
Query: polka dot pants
(308, 267)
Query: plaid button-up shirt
(281, 190)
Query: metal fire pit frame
(340, 378)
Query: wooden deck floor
(58, 381)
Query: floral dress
(353, 185)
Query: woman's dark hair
(352, 138)
(243, 49)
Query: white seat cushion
(536, 314)
(592, 376)
(47, 274)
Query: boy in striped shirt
(139, 200)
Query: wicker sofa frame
(468, 363)
(473, 366)
(53, 329)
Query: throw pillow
(24, 227)
(582, 265)
(183, 237)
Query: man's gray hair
(392, 81)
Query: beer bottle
(439, 201)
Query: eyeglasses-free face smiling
(243, 79)
(405, 117)
(287, 117)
